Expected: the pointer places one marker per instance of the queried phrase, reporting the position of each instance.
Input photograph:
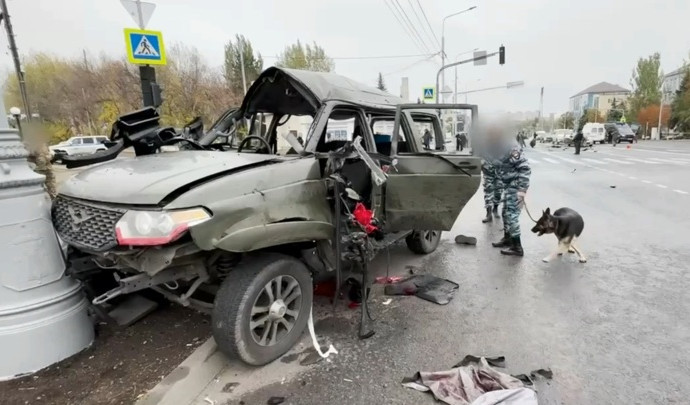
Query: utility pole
(240, 45)
(15, 56)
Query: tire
(243, 290)
(423, 242)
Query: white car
(594, 132)
(78, 145)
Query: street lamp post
(661, 107)
(443, 40)
(455, 90)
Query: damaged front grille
(84, 225)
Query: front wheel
(423, 242)
(262, 308)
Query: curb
(189, 379)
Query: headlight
(151, 228)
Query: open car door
(427, 190)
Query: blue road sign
(428, 93)
(145, 47)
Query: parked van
(594, 132)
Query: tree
(380, 84)
(86, 95)
(648, 117)
(232, 68)
(680, 107)
(566, 120)
(305, 57)
(646, 83)
(615, 114)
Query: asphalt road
(613, 330)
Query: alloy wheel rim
(275, 310)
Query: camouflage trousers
(511, 212)
(493, 187)
(50, 182)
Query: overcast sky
(562, 45)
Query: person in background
(427, 139)
(577, 141)
(460, 141)
(533, 142)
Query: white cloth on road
(515, 396)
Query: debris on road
(466, 240)
(612, 186)
(275, 400)
(315, 342)
(474, 381)
(427, 287)
(388, 301)
(388, 280)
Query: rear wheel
(262, 308)
(423, 242)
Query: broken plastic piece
(364, 217)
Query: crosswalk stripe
(551, 160)
(594, 161)
(667, 161)
(644, 161)
(681, 191)
(573, 161)
(533, 160)
(618, 161)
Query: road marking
(680, 160)
(551, 160)
(618, 161)
(594, 161)
(671, 161)
(644, 161)
(569, 160)
(532, 160)
(661, 186)
(632, 178)
(647, 181)
(681, 191)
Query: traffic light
(502, 55)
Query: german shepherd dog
(567, 225)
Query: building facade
(671, 83)
(601, 97)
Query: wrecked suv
(241, 220)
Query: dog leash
(524, 204)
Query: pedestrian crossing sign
(428, 93)
(145, 47)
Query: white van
(594, 132)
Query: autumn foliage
(649, 116)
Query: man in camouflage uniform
(515, 174)
(492, 185)
(39, 154)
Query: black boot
(505, 242)
(495, 211)
(515, 248)
(488, 217)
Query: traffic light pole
(15, 57)
(147, 75)
(438, 74)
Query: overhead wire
(409, 33)
(411, 65)
(421, 24)
(408, 21)
(429, 24)
(365, 57)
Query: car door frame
(426, 190)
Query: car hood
(146, 180)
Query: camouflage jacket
(515, 170)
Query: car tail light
(151, 228)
